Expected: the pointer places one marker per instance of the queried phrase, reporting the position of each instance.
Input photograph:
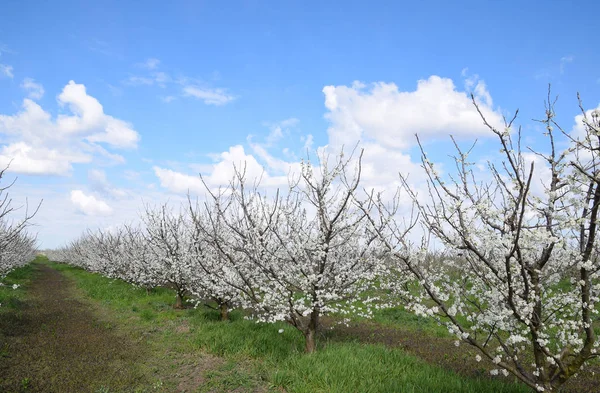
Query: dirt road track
(56, 344)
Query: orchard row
(508, 259)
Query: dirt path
(56, 344)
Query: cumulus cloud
(578, 129)
(6, 71)
(89, 204)
(274, 174)
(380, 116)
(384, 114)
(236, 157)
(38, 160)
(35, 140)
(385, 120)
(35, 91)
(89, 119)
(209, 96)
(177, 182)
(100, 184)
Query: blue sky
(164, 90)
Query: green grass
(11, 299)
(353, 367)
(257, 355)
(398, 316)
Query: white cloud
(223, 171)
(383, 118)
(159, 78)
(27, 159)
(100, 184)
(6, 70)
(104, 48)
(578, 130)
(275, 135)
(35, 90)
(208, 96)
(390, 117)
(564, 61)
(116, 91)
(308, 142)
(135, 80)
(5, 49)
(89, 204)
(117, 133)
(178, 182)
(34, 140)
(220, 174)
(287, 123)
(151, 63)
(191, 87)
(89, 118)
(279, 129)
(473, 84)
(554, 70)
(131, 175)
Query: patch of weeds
(4, 352)
(158, 385)
(25, 382)
(13, 288)
(229, 377)
(147, 315)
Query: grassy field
(246, 356)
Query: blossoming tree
(216, 278)
(520, 281)
(170, 245)
(302, 255)
(17, 246)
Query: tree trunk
(224, 307)
(179, 302)
(311, 332)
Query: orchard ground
(67, 330)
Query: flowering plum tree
(171, 247)
(17, 246)
(214, 279)
(303, 255)
(520, 281)
(140, 267)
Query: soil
(55, 343)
